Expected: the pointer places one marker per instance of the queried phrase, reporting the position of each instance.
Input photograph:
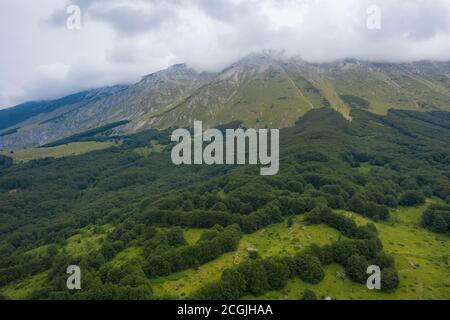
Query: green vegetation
(5, 162)
(142, 228)
(261, 90)
(437, 218)
(274, 240)
(422, 267)
(309, 295)
(102, 133)
(411, 198)
(355, 102)
(66, 150)
(211, 245)
(23, 289)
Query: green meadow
(421, 258)
(71, 149)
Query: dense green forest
(128, 200)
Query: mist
(119, 41)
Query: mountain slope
(258, 91)
(25, 111)
(152, 93)
(261, 90)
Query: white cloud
(121, 40)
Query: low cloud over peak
(120, 40)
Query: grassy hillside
(275, 240)
(421, 257)
(261, 90)
(71, 149)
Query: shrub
(411, 198)
(437, 218)
(259, 276)
(255, 277)
(253, 254)
(232, 285)
(439, 224)
(389, 280)
(308, 268)
(344, 249)
(309, 295)
(277, 273)
(290, 222)
(356, 268)
(383, 260)
(213, 244)
(346, 226)
(368, 208)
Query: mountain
(25, 111)
(29, 123)
(260, 90)
(152, 93)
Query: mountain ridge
(261, 90)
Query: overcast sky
(122, 40)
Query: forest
(130, 201)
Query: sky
(119, 41)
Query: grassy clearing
(365, 168)
(193, 235)
(420, 258)
(419, 253)
(22, 289)
(127, 255)
(334, 286)
(72, 149)
(88, 240)
(274, 240)
(146, 151)
(39, 251)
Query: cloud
(130, 18)
(121, 40)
